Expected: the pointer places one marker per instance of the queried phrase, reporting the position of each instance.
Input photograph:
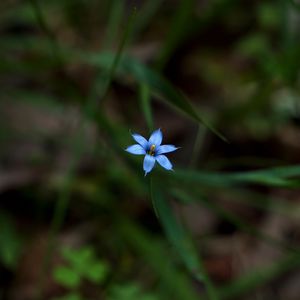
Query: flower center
(152, 150)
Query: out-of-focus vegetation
(78, 218)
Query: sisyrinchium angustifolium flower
(153, 150)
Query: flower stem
(151, 189)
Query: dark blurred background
(76, 219)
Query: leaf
(67, 277)
(97, 272)
(80, 259)
(130, 291)
(85, 263)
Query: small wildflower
(153, 150)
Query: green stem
(152, 196)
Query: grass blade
(157, 84)
(181, 240)
(157, 257)
(277, 177)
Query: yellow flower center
(152, 150)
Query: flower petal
(156, 138)
(140, 139)
(136, 149)
(166, 149)
(164, 162)
(149, 162)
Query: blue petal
(149, 162)
(164, 162)
(156, 138)
(136, 149)
(165, 149)
(141, 140)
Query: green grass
(83, 74)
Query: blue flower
(153, 150)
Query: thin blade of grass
(276, 177)
(157, 84)
(104, 79)
(177, 284)
(181, 240)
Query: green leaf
(67, 277)
(97, 272)
(79, 259)
(85, 263)
(130, 291)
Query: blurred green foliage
(81, 264)
(130, 292)
(79, 75)
(10, 242)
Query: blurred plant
(82, 264)
(130, 291)
(71, 296)
(10, 242)
(272, 75)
